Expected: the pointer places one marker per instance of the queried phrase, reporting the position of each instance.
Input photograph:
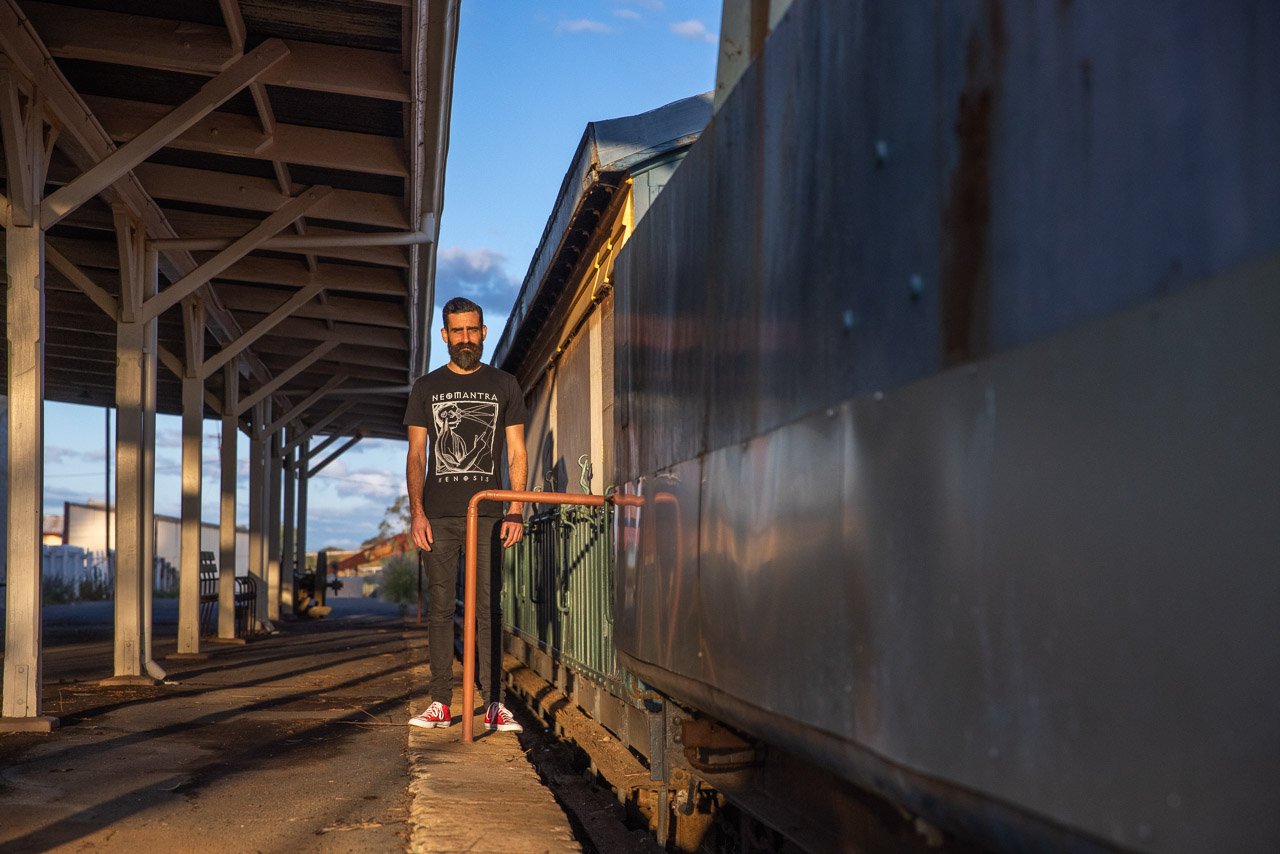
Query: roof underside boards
(608, 151)
(359, 105)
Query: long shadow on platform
(102, 815)
(242, 748)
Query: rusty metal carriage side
(975, 309)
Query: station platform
(295, 742)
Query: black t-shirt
(466, 416)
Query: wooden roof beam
(225, 229)
(336, 277)
(351, 357)
(244, 298)
(180, 184)
(255, 269)
(345, 333)
(169, 45)
(240, 136)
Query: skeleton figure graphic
(464, 437)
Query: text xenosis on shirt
(466, 416)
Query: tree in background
(396, 521)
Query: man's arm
(518, 472)
(415, 476)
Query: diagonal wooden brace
(255, 237)
(117, 164)
(283, 377)
(333, 382)
(262, 327)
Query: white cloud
(369, 484)
(583, 25)
(629, 14)
(477, 274)
(693, 29)
(56, 455)
(169, 438)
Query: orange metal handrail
(469, 583)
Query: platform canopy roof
(320, 143)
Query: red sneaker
(437, 714)
(499, 717)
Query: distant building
(87, 526)
(52, 535)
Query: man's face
(464, 335)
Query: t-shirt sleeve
(415, 414)
(516, 411)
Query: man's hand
(512, 530)
(422, 537)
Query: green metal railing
(558, 588)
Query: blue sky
(530, 75)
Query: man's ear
(484, 332)
(444, 334)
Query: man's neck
(453, 366)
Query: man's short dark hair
(460, 305)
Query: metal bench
(246, 599)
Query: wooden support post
(258, 510)
(147, 494)
(274, 588)
(22, 659)
(24, 245)
(289, 550)
(227, 533)
(27, 141)
(131, 341)
(192, 482)
(303, 462)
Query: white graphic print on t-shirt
(465, 432)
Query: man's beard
(465, 355)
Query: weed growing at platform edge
(57, 590)
(400, 580)
(95, 586)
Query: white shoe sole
(421, 724)
(504, 727)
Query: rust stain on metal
(966, 225)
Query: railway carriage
(939, 382)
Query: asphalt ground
(296, 742)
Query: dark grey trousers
(444, 569)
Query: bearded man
(467, 413)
